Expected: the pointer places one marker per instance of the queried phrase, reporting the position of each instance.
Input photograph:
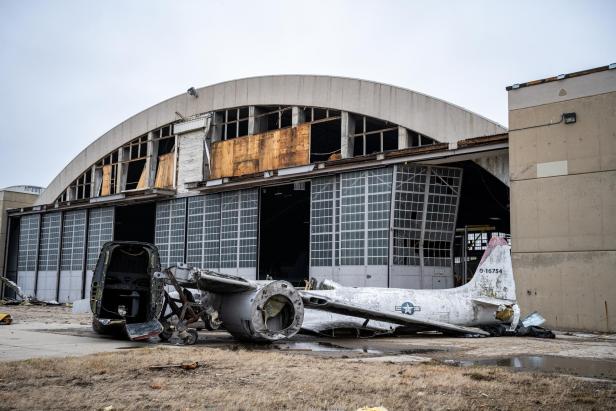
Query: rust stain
(271, 150)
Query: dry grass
(266, 380)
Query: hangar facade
(284, 177)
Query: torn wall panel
(190, 159)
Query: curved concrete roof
(442, 121)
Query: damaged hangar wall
(563, 200)
(442, 121)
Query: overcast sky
(71, 70)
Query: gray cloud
(71, 70)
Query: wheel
(209, 324)
(166, 334)
(192, 337)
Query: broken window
(426, 202)
(134, 157)
(418, 140)
(272, 118)
(231, 123)
(164, 142)
(325, 140)
(373, 135)
(312, 114)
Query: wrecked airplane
(480, 307)
(130, 292)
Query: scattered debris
(184, 366)
(372, 409)
(5, 319)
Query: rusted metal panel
(271, 150)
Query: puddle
(580, 367)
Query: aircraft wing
(223, 283)
(319, 302)
(492, 301)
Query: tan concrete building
(13, 197)
(562, 159)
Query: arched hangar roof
(438, 119)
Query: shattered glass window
(408, 214)
(425, 212)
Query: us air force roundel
(408, 308)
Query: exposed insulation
(271, 150)
(164, 172)
(106, 188)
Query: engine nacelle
(271, 312)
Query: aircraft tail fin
(494, 275)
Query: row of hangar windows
(149, 160)
(396, 216)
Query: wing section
(222, 283)
(319, 302)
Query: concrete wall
(10, 199)
(563, 200)
(427, 115)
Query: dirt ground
(286, 376)
(264, 380)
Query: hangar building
(289, 177)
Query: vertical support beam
(148, 159)
(5, 261)
(84, 260)
(38, 251)
(120, 172)
(218, 129)
(251, 121)
(424, 216)
(297, 116)
(153, 157)
(207, 149)
(175, 161)
(403, 138)
(93, 182)
(59, 259)
(392, 210)
(346, 135)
